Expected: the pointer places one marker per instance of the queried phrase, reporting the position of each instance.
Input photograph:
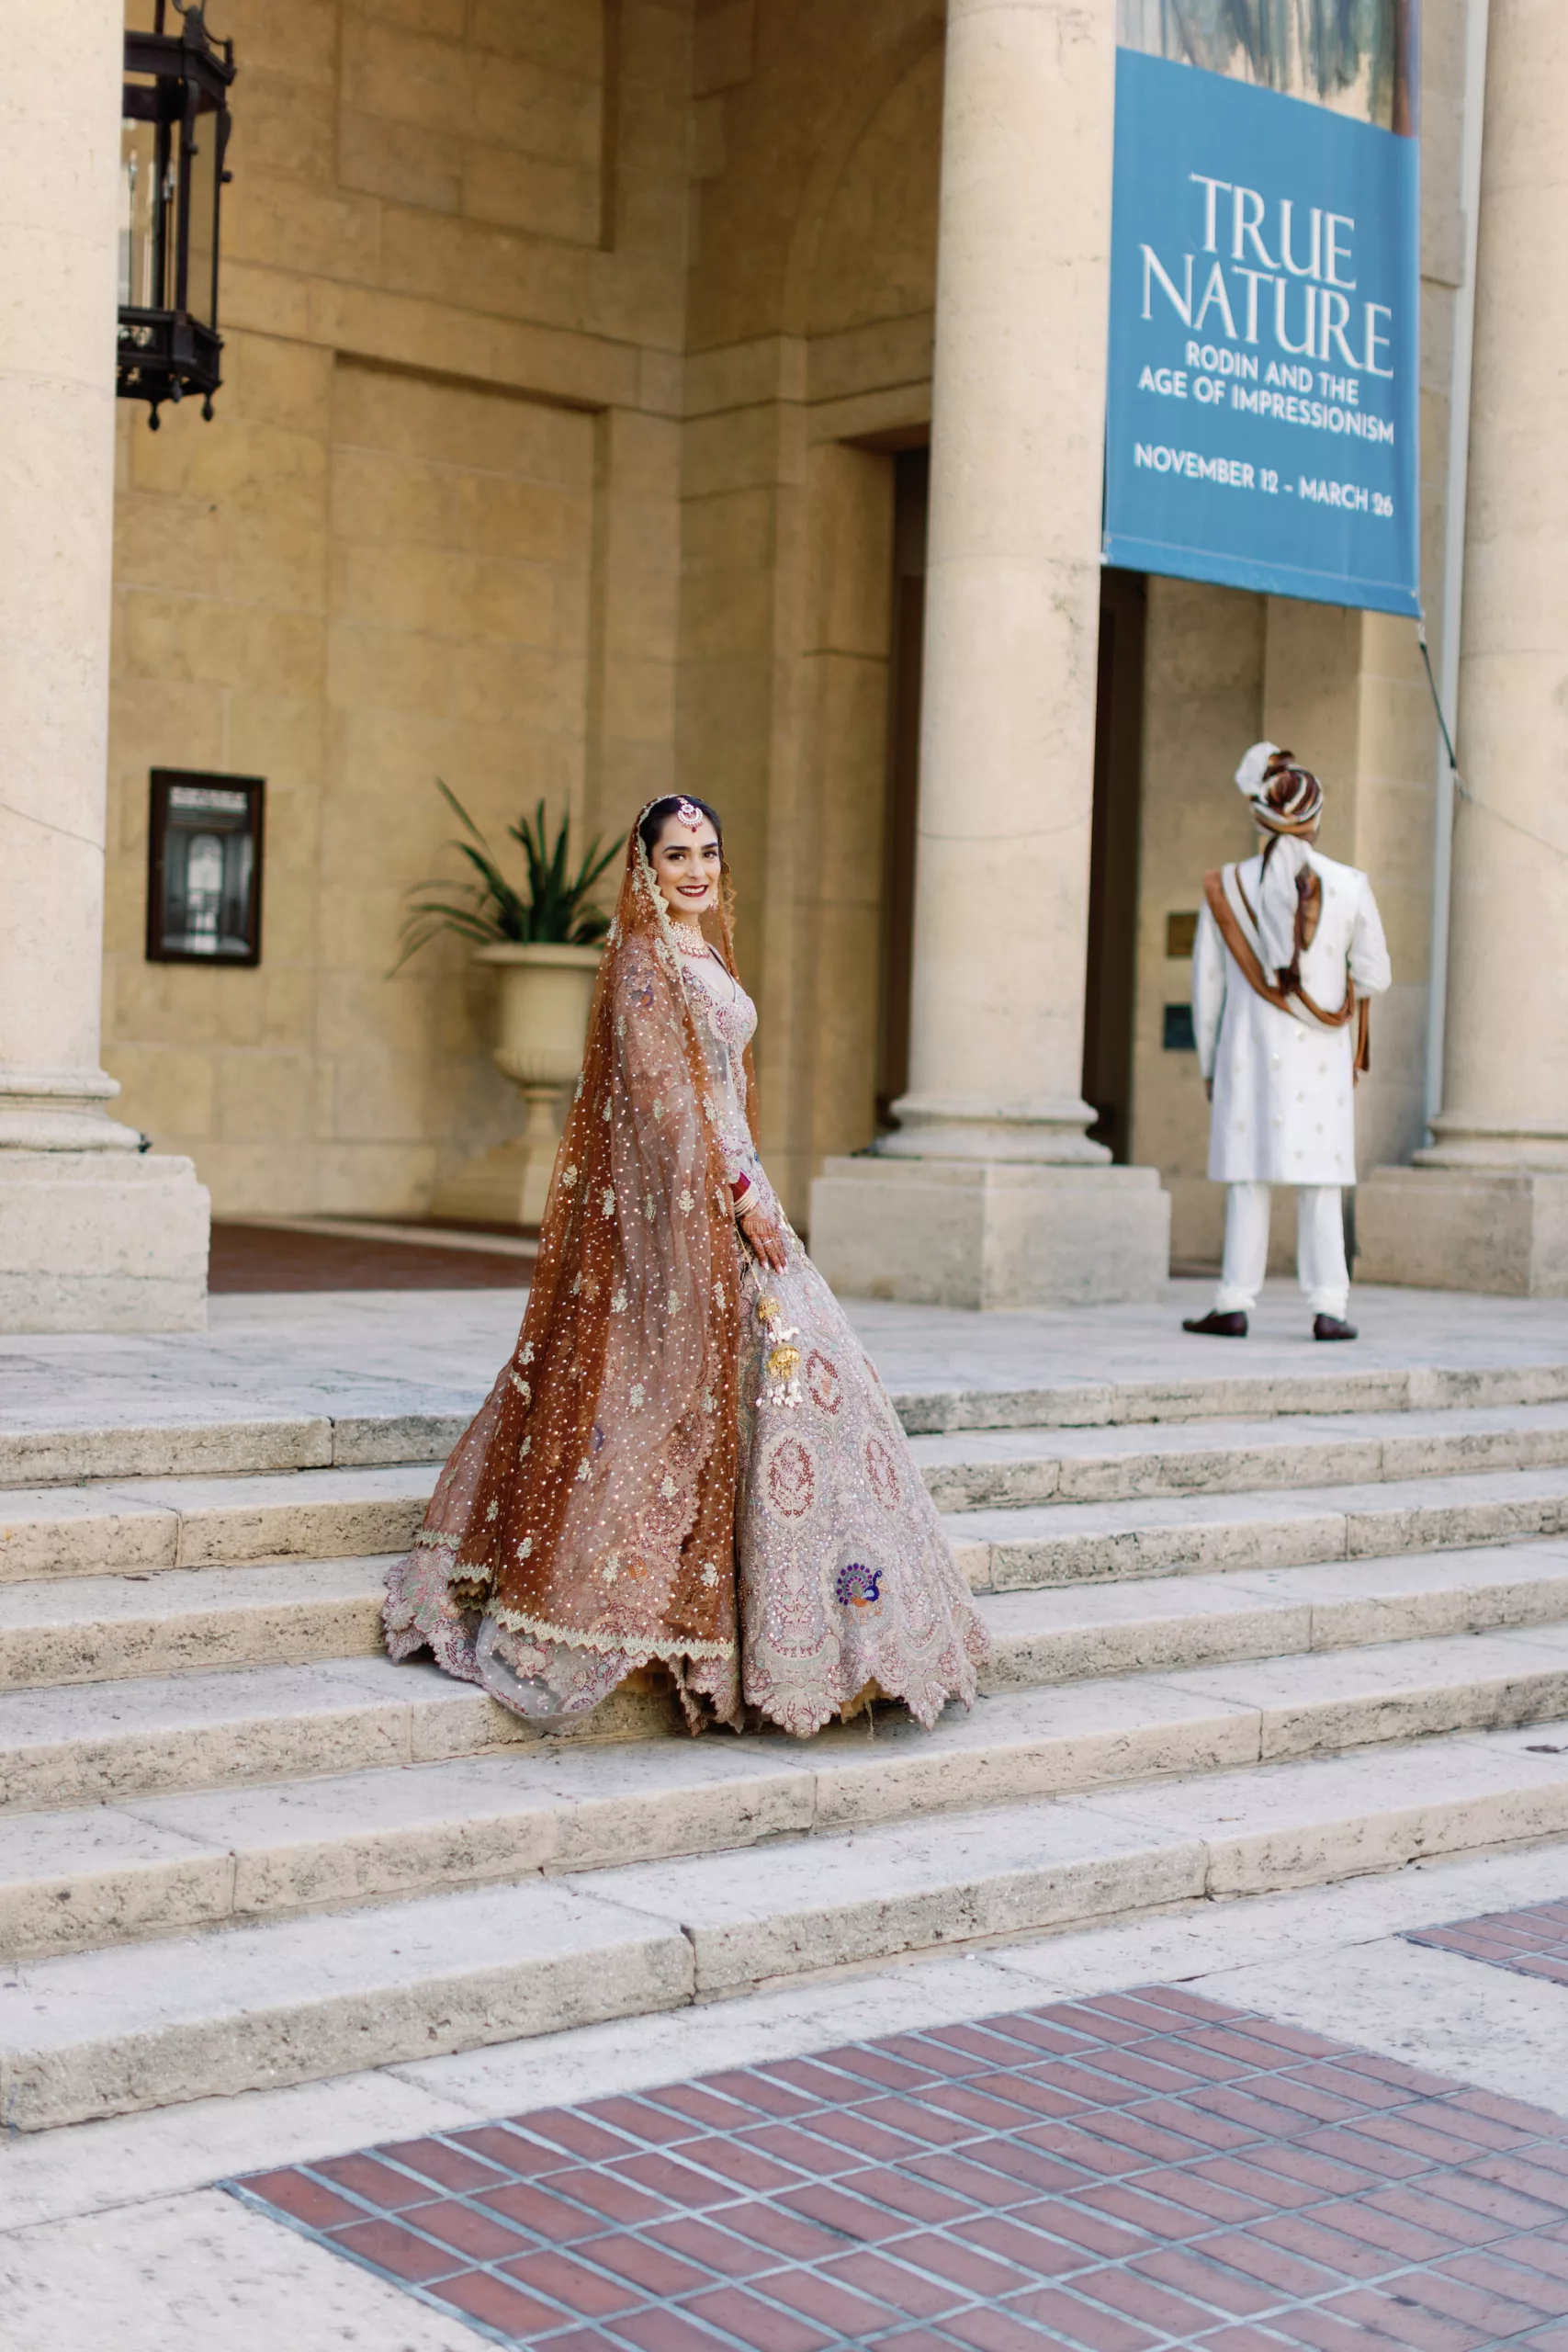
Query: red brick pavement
(1532, 1942)
(1129, 2174)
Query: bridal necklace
(690, 944)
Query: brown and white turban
(1286, 800)
(1283, 796)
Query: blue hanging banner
(1261, 416)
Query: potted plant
(544, 941)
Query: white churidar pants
(1320, 1248)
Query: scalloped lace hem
(924, 1690)
(640, 1652)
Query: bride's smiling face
(687, 866)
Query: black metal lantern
(173, 138)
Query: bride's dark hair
(658, 815)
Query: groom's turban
(1283, 798)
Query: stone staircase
(1236, 1648)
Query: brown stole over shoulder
(1257, 980)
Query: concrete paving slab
(1454, 1344)
(192, 2274)
(1426, 2008)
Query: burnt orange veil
(584, 1526)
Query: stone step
(1141, 1626)
(115, 2032)
(167, 1621)
(136, 2026)
(843, 1901)
(90, 1531)
(149, 1524)
(109, 1874)
(1338, 1388)
(80, 1745)
(1006, 1469)
(173, 1620)
(38, 1451)
(1073, 1542)
(218, 1445)
(161, 1864)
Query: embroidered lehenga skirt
(833, 1585)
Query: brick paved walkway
(1532, 1942)
(1138, 2171)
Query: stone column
(1486, 1208)
(93, 1235)
(990, 1193)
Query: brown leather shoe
(1329, 1326)
(1220, 1327)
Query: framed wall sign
(204, 868)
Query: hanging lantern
(173, 138)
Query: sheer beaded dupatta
(584, 1526)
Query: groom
(1289, 951)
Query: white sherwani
(1284, 1097)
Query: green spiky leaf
(554, 907)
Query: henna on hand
(764, 1238)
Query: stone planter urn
(545, 993)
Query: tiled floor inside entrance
(1136, 2171)
(272, 1257)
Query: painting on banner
(1261, 412)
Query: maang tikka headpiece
(690, 815)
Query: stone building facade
(573, 444)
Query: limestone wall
(449, 520)
(433, 529)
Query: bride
(689, 1459)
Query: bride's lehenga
(847, 1585)
(690, 1458)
